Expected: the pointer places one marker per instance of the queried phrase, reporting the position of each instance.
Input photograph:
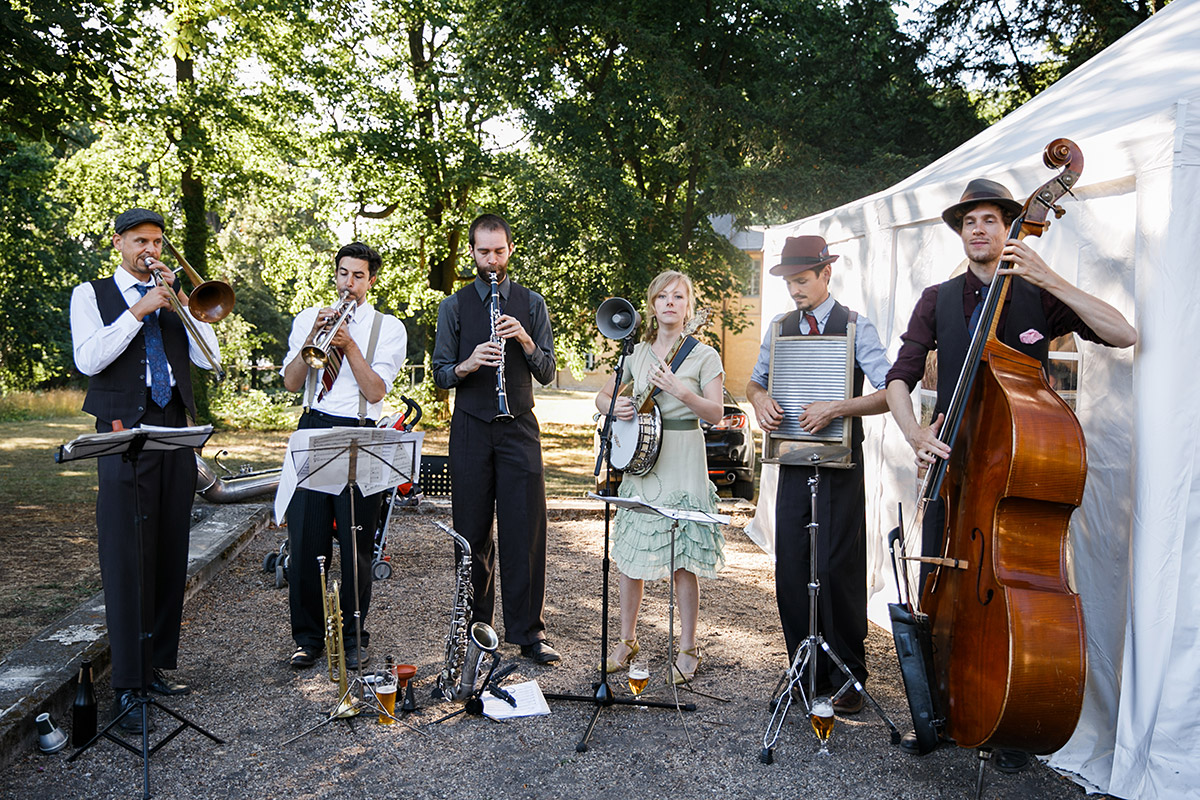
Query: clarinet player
(496, 462)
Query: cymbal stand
(801, 676)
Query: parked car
(729, 448)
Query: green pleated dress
(641, 543)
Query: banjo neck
(644, 402)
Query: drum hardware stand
(803, 668)
(354, 700)
(130, 449)
(602, 695)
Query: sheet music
(92, 445)
(319, 459)
(530, 702)
(642, 507)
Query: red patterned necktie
(330, 373)
(812, 324)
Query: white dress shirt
(390, 352)
(97, 345)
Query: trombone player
(344, 359)
(136, 351)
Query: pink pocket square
(1030, 337)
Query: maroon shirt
(919, 339)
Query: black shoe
(131, 722)
(541, 652)
(162, 684)
(1011, 761)
(353, 659)
(305, 657)
(850, 703)
(909, 743)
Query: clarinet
(502, 412)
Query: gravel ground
(236, 644)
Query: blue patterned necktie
(983, 290)
(156, 356)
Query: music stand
(333, 460)
(129, 444)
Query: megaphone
(617, 318)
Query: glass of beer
(385, 690)
(639, 676)
(822, 722)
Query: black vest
(476, 393)
(119, 390)
(836, 325)
(1025, 313)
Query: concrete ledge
(40, 675)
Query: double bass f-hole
(978, 537)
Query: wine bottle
(83, 712)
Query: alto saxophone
(464, 649)
(502, 412)
(335, 647)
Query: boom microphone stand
(617, 319)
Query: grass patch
(16, 406)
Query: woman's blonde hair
(660, 282)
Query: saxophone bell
(465, 649)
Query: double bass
(1008, 649)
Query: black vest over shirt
(119, 390)
(1025, 313)
(476, 393)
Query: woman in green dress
(641, 543)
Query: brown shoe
(850, 703)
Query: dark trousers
(841, 565)
(311, 532)
(496, 467)
(162, 491)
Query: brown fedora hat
(801, 253)
(980, 190)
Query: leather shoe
(909, 743)
(541, 652)
(162, 684)
(305, 657)
(131, 722)
(851, 702)
(1011, 761)
(355, 656)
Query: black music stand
(129, 444)
(330, 460)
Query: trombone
(210, 301)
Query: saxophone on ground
(464, 649)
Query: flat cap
(137, 216)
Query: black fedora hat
(980, 190)
(137, 216)
(801, 253)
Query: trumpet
(316, 355)
(213, 301)
(335, 648)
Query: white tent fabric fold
(1132, 237)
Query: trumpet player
(136, 351)
(495, 447)
(357, 351)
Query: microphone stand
(601, 692)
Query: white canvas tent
(1132, 237)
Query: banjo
(636, 442)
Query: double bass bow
(1008, 646)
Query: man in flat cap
(806, 267)
(137, 353)
(1041, 306)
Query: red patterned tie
(330, 373)
(813, 330)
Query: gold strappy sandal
(612, 665)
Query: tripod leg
(857, 684)
(780, 705)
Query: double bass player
(1040, 306)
